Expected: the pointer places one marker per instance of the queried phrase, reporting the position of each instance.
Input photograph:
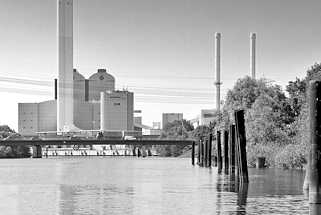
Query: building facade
(207, 116)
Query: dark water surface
(112, 185)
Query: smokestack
(252, 54)
(65, 106)
(102, 111)
(86, 90)
(218, 69)
(56, 88)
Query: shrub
(291, 156)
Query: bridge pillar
(134, 151)
(36, 151)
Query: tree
(177, 130)
(12, 151)
(297, 92)
(265, 123)
(5, 131)
(201, 131)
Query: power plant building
(118, 107)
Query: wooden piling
(226, 158)
(241, 142)
(199, 153)
(231, 148)
(205, 152)
(193, 153)
(219, 151)
(139, 153)
(210, 139)
(202, 153)
(307, 174)
(315, 141)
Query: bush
(292, 156)
(267, 151)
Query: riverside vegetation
(14, 151)
(276, 121)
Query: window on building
(116, 104)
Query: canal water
(118, 185)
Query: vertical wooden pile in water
(193, 153)
(210, 139)
(231, 147)
(219, 151)
(226, 148)
(241, 146)
(315, 141)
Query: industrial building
(117, 113)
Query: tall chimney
(252, 54)
(65, 114)
(218, 69)
(102, 111)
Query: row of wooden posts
(235, 149)
(233, 159)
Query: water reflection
(315, 209)
(143, 186)
(228, 184)
(242, 198)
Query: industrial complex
(97, 106)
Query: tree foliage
(12, 151)
(177, 130)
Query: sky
(162, 50)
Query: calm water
(142, 186)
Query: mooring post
(307, 174)
(315, 141)
(237, 157)
(231, 148)
(215, 147)
(226, 158)
(199, 153)
(219, 151)
(210, 139)
(241, 142)
(193, 153)
(205, 152)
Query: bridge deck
(93, 142)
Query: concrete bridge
(38, 144)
